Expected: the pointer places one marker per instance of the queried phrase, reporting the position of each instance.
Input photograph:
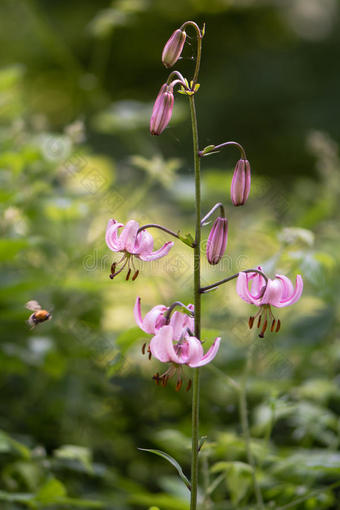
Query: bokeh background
(77, 83)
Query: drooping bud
(162, 110)
(217, 240)
(173, 48)
(240, 184)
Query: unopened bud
(162, 110)
(217, 240)
(173, 48)
(240, 184)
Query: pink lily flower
(155, 319)
(187, 351)
(132, 245)
(280, 292)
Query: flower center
(264, 315)
(126, 260)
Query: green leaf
(187, 239)
(238, 478)
(51, 492)
(73, 452)
(17, 498)
(7, 444)
(172, 461)
(11, 247)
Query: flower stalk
(197, 294)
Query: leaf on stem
(186, 239)
(172, 461)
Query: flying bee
(39, 314)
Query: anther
(278, 326)
(156, 378)
(165, 380)
(179, 384)
(251, 322)
(273, 325)
(143, 348)
(259, 321)
(263, 330)
(135, 275)
(113, 267)
(150, 355)
(111, 276)
(128, 275)
(189, 385)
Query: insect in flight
(38, 315)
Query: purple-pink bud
(240, 184)
(217, 240)
(173, 48)
(162, 110)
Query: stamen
(259, 321)
(121, 269)
(113, 267)
(165, 380)
(150, 355)
(273, 325)
(278, 326)
(156, 378)
(143, 348)
(135, 275)
(179, 384)
(251, 322)
(128, 274)
(189, 385)
(263, 330)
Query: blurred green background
(77, 83)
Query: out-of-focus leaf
(7, 443)
(51, 492)
(9, 248)
(73, 452)
(238, 478)
(160, 500)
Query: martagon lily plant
(175, 329)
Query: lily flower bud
(162, 110)
(173, 48)
(240, 184)
(217, 240)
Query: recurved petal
(158, 253)
(138, 313)
(209, 356)
(273, 293)
(111, 236)
(295, 296)
(194, 351)
(162, 346)
(144, 243)
(178, 322)
(154, 319)
(243, 290)
(127, 238)
(287, 286)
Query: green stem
(246, 432)
(197, 296)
